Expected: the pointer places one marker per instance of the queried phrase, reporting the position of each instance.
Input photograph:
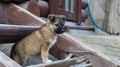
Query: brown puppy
(39, 41)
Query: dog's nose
(62, 30)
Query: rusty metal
(33, 7)
(13, 0)
(84, 4)
(5, 61)
(14, 33)
(65, 63)
(3, 14)
(84, 15)
(90, 28)
(43, 7)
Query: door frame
(77, 17)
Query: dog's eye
(56, 24)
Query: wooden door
(64, 7)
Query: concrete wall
(98, 10)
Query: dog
(39, 41)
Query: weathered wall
(107, 14)
(98, 10)
(112, 17)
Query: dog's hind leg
(15, 55)
(25, 60)
(17, 59)
(44, 53)
(20, 58)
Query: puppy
(39, 41)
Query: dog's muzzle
(59, 29)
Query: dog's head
(56, 23)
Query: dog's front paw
(48, 61)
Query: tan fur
(35, 43)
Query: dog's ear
(51, 17)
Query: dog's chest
(53, 41)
